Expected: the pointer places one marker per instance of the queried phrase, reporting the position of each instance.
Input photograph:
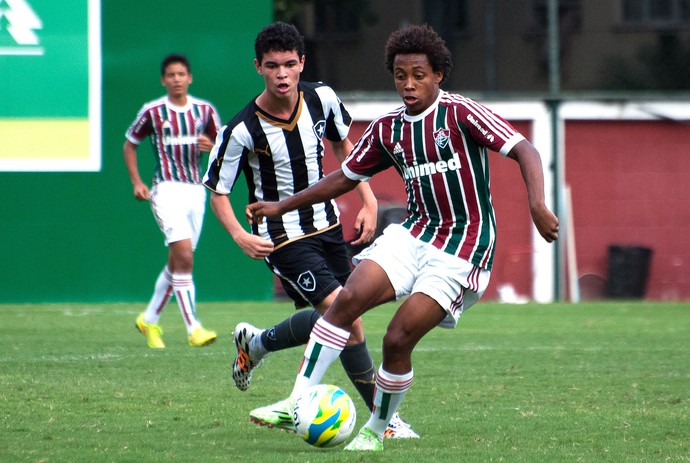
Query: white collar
(427, 111)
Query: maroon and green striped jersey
(174, 131)
(442, 155)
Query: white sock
(162, 292)
(185, 293)
(326, 341)
(389, 394)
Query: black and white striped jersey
(280, 158)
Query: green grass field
(518, 383)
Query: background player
(442, 254)
(180, 127)
(277, 140)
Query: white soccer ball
(324, 415)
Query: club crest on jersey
(441, 137)
(306, 281)
(319, 129)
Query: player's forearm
(226, 215)
(532, 172)
(130, 157)
(331, 186)
(366, 195)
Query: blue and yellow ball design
(324, 415)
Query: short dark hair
(278, 36)
(419, 39)
(175, 58)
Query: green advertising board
(70, 228)
(50, 86)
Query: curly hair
(278, 36)
(175, 58)
(419, 39)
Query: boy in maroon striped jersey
(442, 253)
(180, 127)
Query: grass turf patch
(555, 382)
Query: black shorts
(312, 267)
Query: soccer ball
(324, 415)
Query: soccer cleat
(399, 429)
(201, 337)
(277, 415)
(152, 332)
(244, 364)
(366, 440)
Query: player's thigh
(367, 287)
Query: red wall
(629, 185)
(629, 182)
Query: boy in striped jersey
(277, 141)
(441, 255)
(180, 127)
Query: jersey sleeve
(338, 120)
(213, 124)
(368, 157)
(226, 160)
(488, 128)
(141, 127)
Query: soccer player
(441, 255)
(277, 141)
(180, 127)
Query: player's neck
(178, 100)
(280, 108)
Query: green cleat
(366, 440)
(277, 415)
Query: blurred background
(601, 88)
(503, 47)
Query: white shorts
(413, 266)
(179, 210)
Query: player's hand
(256, 212)
(141, 192)
(254, 246)
(546, 223)
(204, 143)
(365, 225)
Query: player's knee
(396, 343)
(345, 310)
(181, 260)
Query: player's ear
(439, 77)
(257, 66)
